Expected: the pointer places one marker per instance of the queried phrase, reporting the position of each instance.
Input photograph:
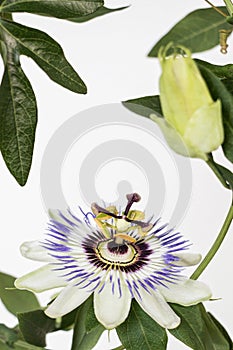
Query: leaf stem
(213, 167)
(216, 245)
(6, 15)
(216, 8)
(229, 6)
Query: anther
(132, 198)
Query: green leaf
(219, 91)
(57, 8)
(87, 330)
(140, 331)
(198, 31)
(144, 106)
(197, 330)
(224, 73)
(191, 329)
(67, 321)
(10, 338)
(216, 339)
(46, 52)
(21, 345)
(222, 330)
(18, 115)
(16, 300)
(35, 325)
(4, 346)
(221, 172)
(8, 335)
(100, 12)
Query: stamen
(132, 198)
(125, 237)
(97, 209)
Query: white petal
(69, 298)
(188, 292)
(157, 308)
(34, 251)
(56, 215)
(111, 309)
(40, 280)
(187, 259)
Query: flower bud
(192, 123)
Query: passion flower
(116, 256)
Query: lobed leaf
(46, 52)
(140, 331)
(18, 116)
(57, 8)
(198, 31)
(100, 12)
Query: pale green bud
(192, 123)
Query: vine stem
(229, 6)
(213, 167)
(216, 9)
(216, 245)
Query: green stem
(229, 6)
(216, 245)
(216, 8)
(213, 167)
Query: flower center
(112, 252)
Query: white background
(110, 55)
